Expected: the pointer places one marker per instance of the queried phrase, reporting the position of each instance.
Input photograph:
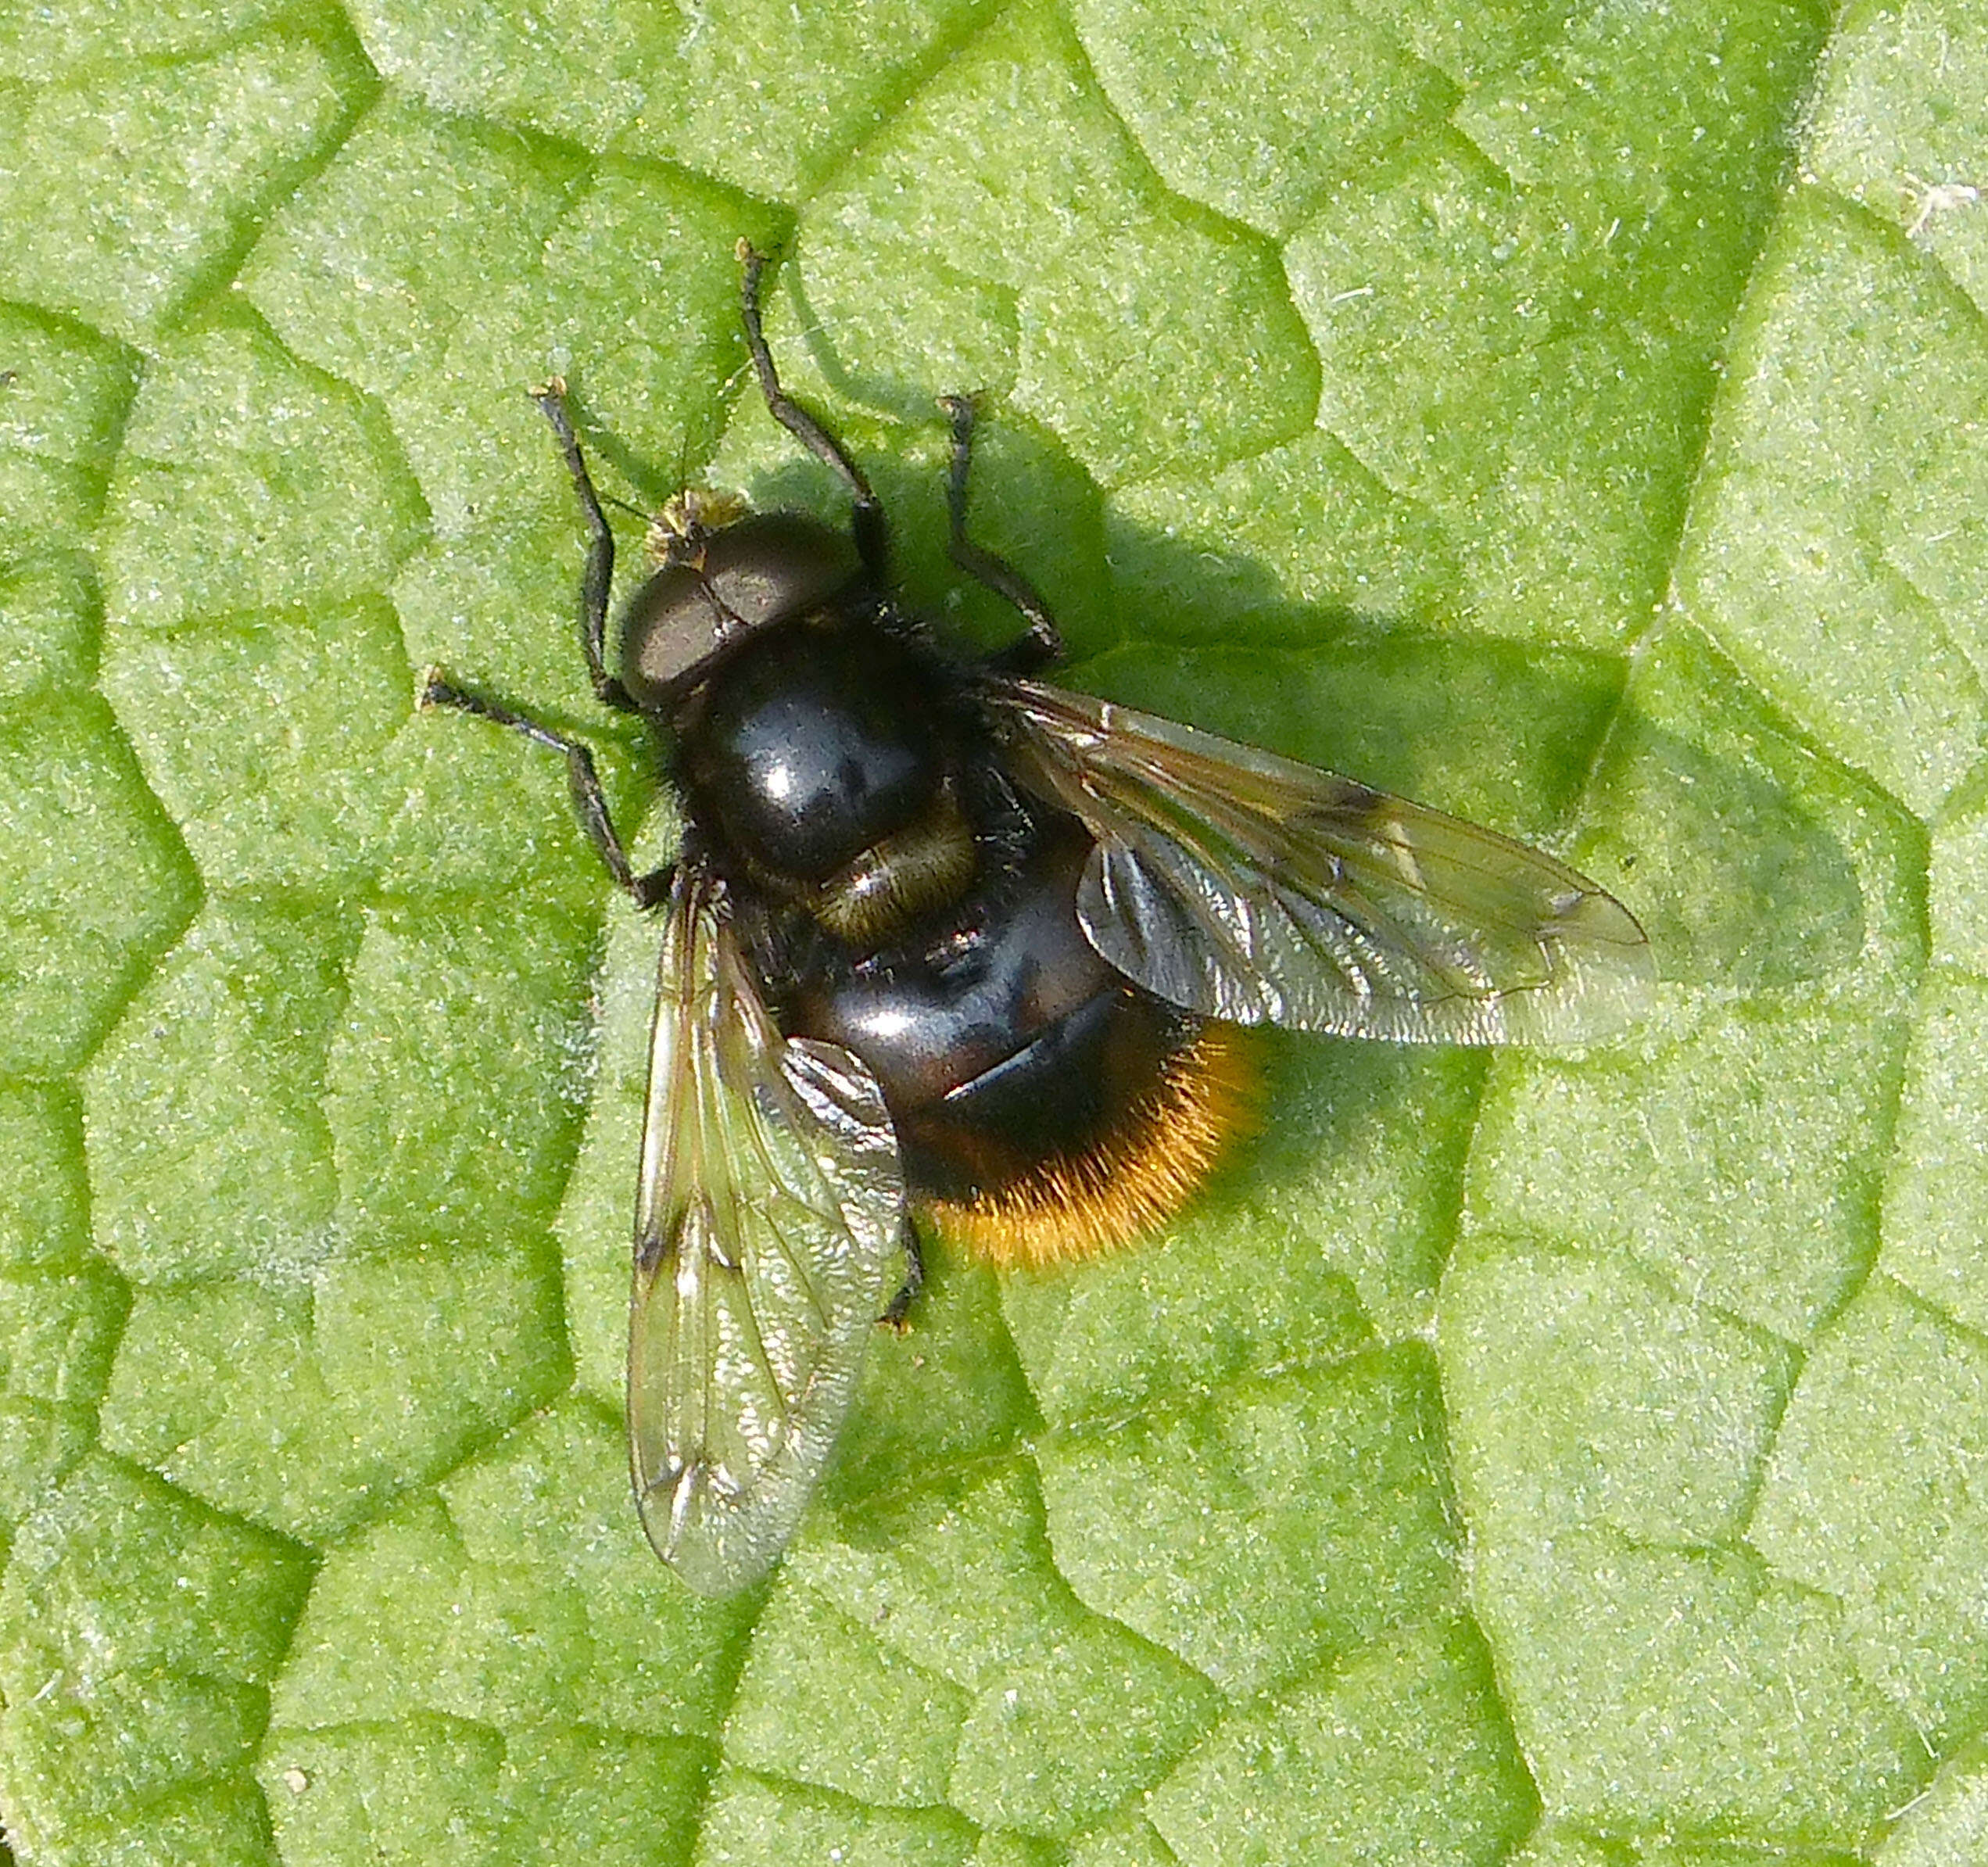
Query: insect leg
(588, 800)
(599, 573)
(867, 521)
(900, 1307)
(1043, 641)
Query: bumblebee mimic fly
(941, 937)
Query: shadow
(1713, 825)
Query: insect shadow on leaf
(943, 937)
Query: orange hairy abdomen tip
(1138, 1176)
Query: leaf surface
(1573, 417)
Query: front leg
(599, 576)
(1043, 641)
(866, 521)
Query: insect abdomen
(1048, 1106)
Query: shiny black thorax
(817, 738)
(901, 898)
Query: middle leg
(589, 801)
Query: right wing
(1248, 887)
(767, 1243)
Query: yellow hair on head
(1138, 1176)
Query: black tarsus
(599, 576)
(588, 800)
(899, 1307)
(1042, 642)
(583, 780)
(866, 521)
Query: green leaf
(1569, 412)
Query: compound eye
(763, 568)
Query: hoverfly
(941, 936)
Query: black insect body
(940, 936)
(898, 897)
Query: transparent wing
(1254, 889)
(768, 1242)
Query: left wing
(767, 1244)
(1251, 888)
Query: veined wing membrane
(768, 1242)
(1252, 888)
